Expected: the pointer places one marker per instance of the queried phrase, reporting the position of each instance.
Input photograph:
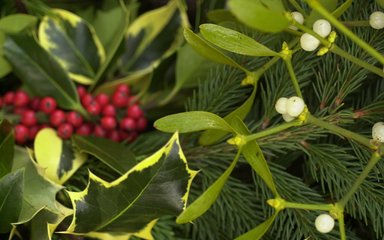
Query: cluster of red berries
(117, 117)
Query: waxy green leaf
(157, 186)
(6, 147)
(11, 198)
(115, 155)
(74, 44)
(208, 51)
(258, 232)
(234, 41)
(205, 200)
(263, 15)
(191, 122)
(380, 2)
(59, 159)
(39, 71)
(330, 5)
(221, 15)
(17, 22)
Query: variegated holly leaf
(74, 43)
(155, 187)
(59, 159)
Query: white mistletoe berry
(281, 105)
(295, 106)
(376, 20)
(308, 42)
(324, 223)
(298, 17)
(288, 118)
(378, 131)
(322, 27)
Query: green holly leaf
(157, 186)
(40, 71)
(263, 15)
(59, 159)
(74, 44)
(234, 41)
(6, 147)
(259, 231)
(11, 192)
(192, 122)
(117, 156)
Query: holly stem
(295, 82)
(272, 130)
(314, 4)
(323, 207)
(341, 131)
(372, 162)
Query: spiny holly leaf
(11, 192)
(6, 147)
(74, 43)
(59, 159)
(157, 186)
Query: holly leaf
(11, 192)
(59, 159)
(192, 122)
(117, 156)
(7, 142)
(157, 186)
(74, 44)
(40, 71)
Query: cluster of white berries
(310, 43)
(324, 223)
(378, 132)
(290, 108)
(376, 20)
(298, 17)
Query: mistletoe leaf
(259, 231)
(157, 186)
(6, 147)
(116, 156)
(59, 159)
(234, 41)
(330, 5)
(11, 192)
(192, 122)
(39, 71)
(74, 44)
(263, 15)
(17, 22)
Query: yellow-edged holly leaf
(74, 43)
(59, 159)
(155, 187)
(154, 36)
(6, 147)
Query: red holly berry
(81, 91)
(141, 124)
(28, 118)
(128, 123)
(8, 98)
(21, 134)
(134, 111)
(65, 130)
(102, 99)
(109, 110)
(94, 108)
(1, 102)
(74, 118)
(108, 123)
(21, 99)
(34, 104)
(19, 110)
(32, 132)
(57, 118)
(86, 99)
(84, 130)
(99, 131)
(114, 135)
(122, 88)
(48, 105)
(119, 99)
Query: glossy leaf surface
(6, 147)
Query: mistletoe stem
(372, 162)
(314, 4)
(324, 207)
(341, 131)
(343, 235)
(295, 82)
(272, 130)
